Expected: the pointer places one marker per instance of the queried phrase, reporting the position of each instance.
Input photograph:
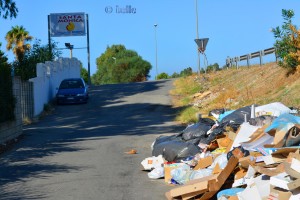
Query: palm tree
(17, 39)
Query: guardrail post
(248, 60)
(236, 62)
(261, 54)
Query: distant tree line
(188, 71)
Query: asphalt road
(77, 152)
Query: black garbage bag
(215, 132)
(163, 138)
(237, 117)
(175, 150)
(197, 130)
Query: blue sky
(234, 28)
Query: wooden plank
(186, 189)
(207, 195)
(168, 196)
(191, 195)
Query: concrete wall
(12, 129)
(49, 76)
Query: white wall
(48, 77)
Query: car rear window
(68, 84)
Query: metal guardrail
(260, 54)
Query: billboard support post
(88, 48)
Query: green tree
(17, 39)
(284, 45)
(120, 65)
(8, 9)
(26, 68)
(175, 75)
(84, 73)
(186, 72)
(213, 68)
(7, 100)
(162, 76)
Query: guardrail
(260, 54)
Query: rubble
(249, 153)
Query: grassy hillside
(235, 88)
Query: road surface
(77, 152)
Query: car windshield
(69, 84)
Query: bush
(7, 100)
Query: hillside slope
(235, 88)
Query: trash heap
(249, 153)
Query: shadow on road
(105, 115)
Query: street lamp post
(70, 46)
(155, 25)
(197, 36)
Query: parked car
(72, 90)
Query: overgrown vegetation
(287, 43)
(235, 88)
(7, 100)
(26, 68)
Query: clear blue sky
(234, 28)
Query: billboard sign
(67, 24)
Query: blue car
(71, 91)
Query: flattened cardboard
(278, 193)
(204, 162)
(295, 165)
(290, 171)
(208, 185)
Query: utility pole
(155, 25)
(197, 36)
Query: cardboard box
(204, 162)
(279, 194)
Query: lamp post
(70, 46)
(155, 25)
(197, 36)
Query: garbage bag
(215, 132)
(175, 150)
(198, 129)
(162, 138)
(157, 173)
(216, 112)
(237, 117)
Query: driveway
(77, 152)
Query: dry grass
(235, 88)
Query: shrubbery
(7, 100)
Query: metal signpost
(202, 43)
(69, 24)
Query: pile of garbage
(248, 153)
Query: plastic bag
(152, 162)
(197, 130)
(157, 173)
(221, 160)
(175, 150)
(236, 118)
(181, 174)
(196, 174)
